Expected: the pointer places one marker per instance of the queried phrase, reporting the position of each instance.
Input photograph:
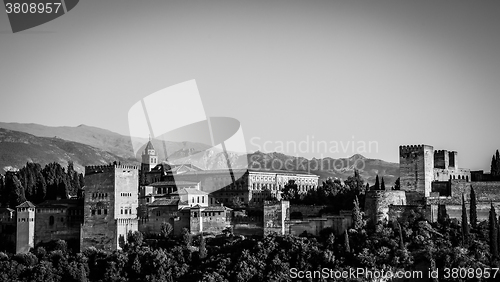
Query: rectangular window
(93, 212)
(121, 211)
(99, 211)
(105, 211)
(126, 211)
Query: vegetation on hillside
(37, 184)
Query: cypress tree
(498, 233)
(473, 208)
(357, 216)
(401, 242)
(382, 184)
(465, 224)
(493, 166)
(397, 184)
(203, 248)
(497, 157)
(493, 228)
(377, 184)
(346, 242)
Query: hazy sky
(391, 72)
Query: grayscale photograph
(249, 141)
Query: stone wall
(305, 211)
(58, 223)
(441, 159)
(377, 203)
(275, 215)
(314, 226)
(110, 206)
(416, 168)
(214, 221)
(8, 230)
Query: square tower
(110, 208)
(416, 166)
(25, 235)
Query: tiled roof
(173, 183)
(189, 191)
(149, 146)
(165, 202)
(215, 208)
(26, 204)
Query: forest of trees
(390, 246)
(37, 184)
(409, 244)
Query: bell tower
(149, 161)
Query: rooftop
(173, 183)
(188, 191)
(26, 204)
(165, 202)
(244, 170)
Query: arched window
(51, 220)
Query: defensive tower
(416, 166)
(111, 202)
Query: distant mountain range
(18, 148)
(87, 145)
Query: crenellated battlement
(413, 148)
(107, 168)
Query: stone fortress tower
(25, 235)
(416, 168)
(110, 205)
(149, 161)
(428, 179)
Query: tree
(236, 201)
(347, 247)
(202, 248)
(377, 184)
(465, 224)
(355, 183)
(401, 242)
(367, 187)
(397, 184)
(493, 225)
(186, 237)
(14, 189)
(290, 191)
(497, 157)
(494, 168)
(495, 164)
(382, 185)
(134, 239)
(357, 216)
(166, 229)
(473, 208)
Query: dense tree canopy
(37, 184)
